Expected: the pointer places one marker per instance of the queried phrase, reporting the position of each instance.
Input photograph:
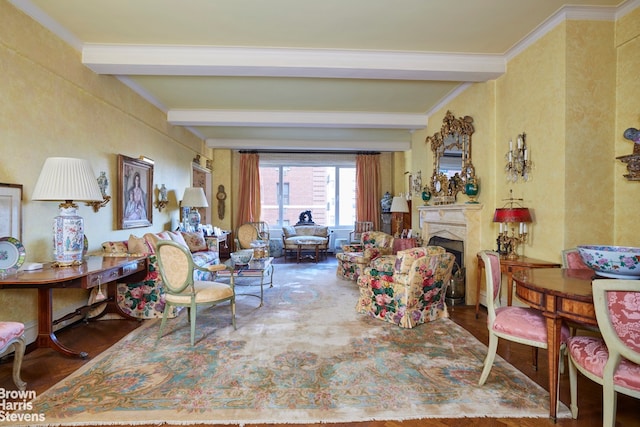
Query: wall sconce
(508, 217)
(632, 160)
(103, 183)
(163, 199)
(518, 160)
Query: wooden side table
(402, 244)
(509, 266)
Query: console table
(95, 271)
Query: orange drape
(249, 194)
(368, 188)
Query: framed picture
(11, 210)
(135, 191)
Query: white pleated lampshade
(194, 197)
(399, 204)
(65, 178)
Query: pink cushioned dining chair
(612, 361)
(571, 259)
(12, 335)
(522, 325)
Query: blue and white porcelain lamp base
(68, 236)
(194, 218)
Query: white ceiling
(301, 74)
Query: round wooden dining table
(561, 295)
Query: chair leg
(573, 387)
(233, 313)
(19, 347)
(491, 355)
(534, 355)
(192, 320)
(167, 307)
(609, 403)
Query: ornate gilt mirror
(452, 166)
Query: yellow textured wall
(222, 176)
(589, 139)
(627, 193)
(54, 106)
(531, 98)
(573, 99)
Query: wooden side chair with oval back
(522, 325)
(176, 267)
(612, 361)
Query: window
(327, 190)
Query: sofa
(293, 234)
(354, 258)
(406, 289)
(145, 299)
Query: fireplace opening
(456, 247)
(456, 289)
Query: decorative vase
(426, 196)
(471, 189)
(386, 201)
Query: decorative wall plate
(12, 255)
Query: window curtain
(249, 194)
(368, 189)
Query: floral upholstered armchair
(407, 289)
(355, 258)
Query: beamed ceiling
(300, 74)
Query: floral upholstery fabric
(592, 354)
(146, 299)
(411, 298)
(374, 244)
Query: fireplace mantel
(456, 222)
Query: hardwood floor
(43, 368)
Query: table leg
(554, 328)
(299, 254)
(509, 287)
(46, 335)
(317, 252)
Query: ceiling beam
(307, 145)
(348, 120)
(278, 62)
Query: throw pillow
(176, 236)
(138, 245)
(195, 241)
(115, 247)
(289, 231)
(153, 238)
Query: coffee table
(262, 268)
(313, 243)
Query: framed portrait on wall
(11, 210)
(135, 192)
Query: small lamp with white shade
(399, 206)
(67, 179)
(194, 198)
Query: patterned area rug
(306, 356)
